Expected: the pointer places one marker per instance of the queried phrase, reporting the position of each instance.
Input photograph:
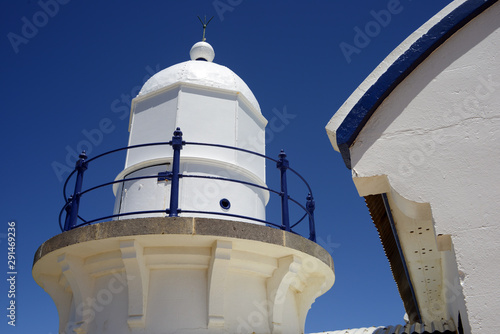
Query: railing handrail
(254, 153)
(71, 205)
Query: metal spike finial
(205, 23)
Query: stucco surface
(436, 138)
(182, 275)
(183, 226)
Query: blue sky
(67, 67)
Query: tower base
(182, 275)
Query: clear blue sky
(85, 59)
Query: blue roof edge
(359, 115)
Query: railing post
(310, 206)
(81, 167)
(177, 144)
(283, 165)
(68, 213)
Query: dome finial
(205, 23)
(202, 50)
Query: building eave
(343, 130)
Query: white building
(422, 137)
(199, 262)
(210, 104)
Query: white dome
(202, 73)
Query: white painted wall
(215, 108)
(194, 194)
(437, 139)
(178, 283)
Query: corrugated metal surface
(363, 330)
(432, 328)
(376, 207)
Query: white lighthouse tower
(188, 248)
(211, 104)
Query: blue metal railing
(72, 202)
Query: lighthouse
(210, 104)
(187, 247)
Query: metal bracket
(164, 176)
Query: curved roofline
(208, 74)
(180, 84)
(387, 81)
